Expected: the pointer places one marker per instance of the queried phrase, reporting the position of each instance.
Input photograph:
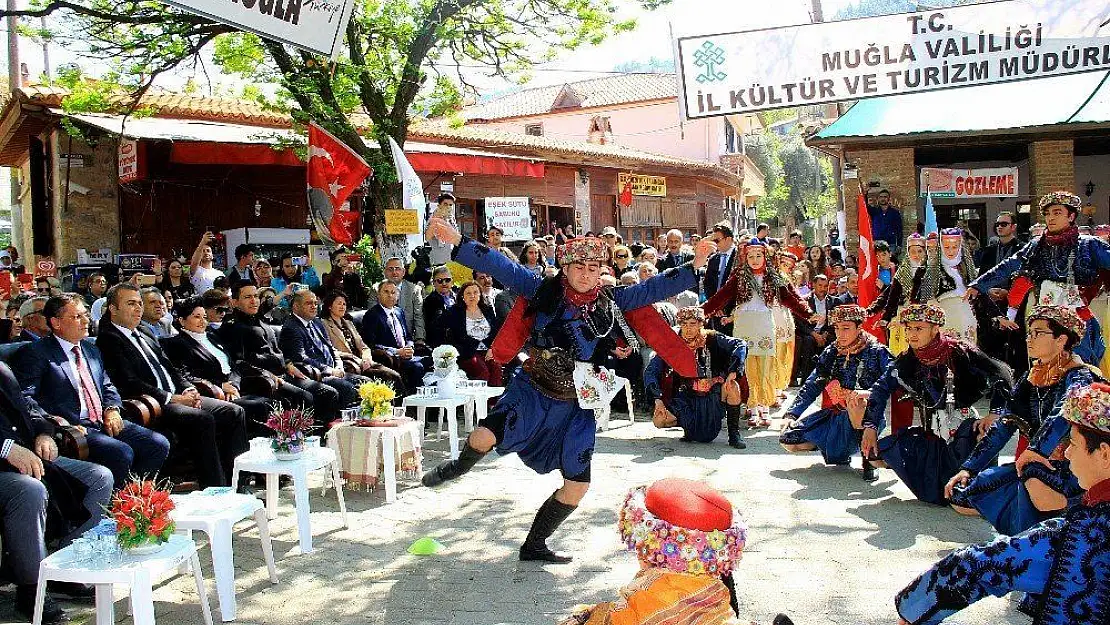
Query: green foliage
(653, 65)
(799, 181)
(371, 269)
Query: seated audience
(65, 376)
(622, 260)
(489, 292)
(154, 322)
(471, 328)
(385, 330)
(199, 354)
(304, 342)
(436, 303)
(95, 285)
(214, 431)
(352, 350)
(32, 320)
(174, 281)
(254, 350)
(290, 272)
(217, 305)
(411, 300)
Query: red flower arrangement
(289, 428)
(141, 511)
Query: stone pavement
(824, 546)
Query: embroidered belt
(552, 372)
(702, 386)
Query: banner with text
(512, 215)
(969, 183)
(313, 25)
(654, 186)
(744, 72)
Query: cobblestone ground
(824, 546)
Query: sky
(652, 37)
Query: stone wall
(894, 170)
(90, 218)
(1051, 167)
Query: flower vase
(152, 544)
(447, 386)
(287, 449)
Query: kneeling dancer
(943, 376)
(570, 324)
(1061, 563)
(697, 404)
(688, 539)
(854, 362)
(1018, 495)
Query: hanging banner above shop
(512, 215)
(653, 186)
(312, 25)
(969, 183)
(744, 72)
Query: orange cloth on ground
(661, 597)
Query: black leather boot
(869, 474)
(452, 469)
(732, 419)
(549, 517)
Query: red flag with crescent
(868, 267)
(334, 172)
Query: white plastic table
(216, 516)
(139, 573)
(452, 403)
(313, 459)
(481, 395)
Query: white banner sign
(314, 25)
(511, 215)
(969, 183)
(728, 73)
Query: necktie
(395, 323)
(721, 271)
(152, 362)
(88, 389)
(321, 343)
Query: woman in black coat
(471, 326)
(200, 356)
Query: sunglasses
(443, 280)
(223, 310)
(1000, 224)
(622, 255)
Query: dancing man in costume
(1061, 268)
(943, 376)
(568, 324)
(698, 404)
(853, 362)
(1061, 562)
(1016, 496)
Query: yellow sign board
(655, 186)
(402, 222)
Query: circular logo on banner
(46, 267)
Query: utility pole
(46, 54)
(14, 81)
(817, 15)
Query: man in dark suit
(672, 256)
(813, 337)
(214, 430)
(32, 474)
(720, 265)
(436, 303)
(34, 323)
(64, 376)
(254, 351)
(385, 331)
(851, 296)
(305, 343)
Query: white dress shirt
(67, 347)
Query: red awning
(436, 159)
(472, 164)
(188, 153)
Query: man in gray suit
(412, 299)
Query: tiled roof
(176, 105)
(606, 91)
(557, 150)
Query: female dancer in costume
(896, 296)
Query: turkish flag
(868, 267)
(625, 198)
(334, 172)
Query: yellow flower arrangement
(376, 397)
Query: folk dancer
(896, 295)
(943, 376)
(688, 539)
(1018, 495)
(853, 362)
(747, 302)
(569, 323)
(943, 281)
(1060, 267)
(1060, 562)
(698, 404)
(784, 330)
